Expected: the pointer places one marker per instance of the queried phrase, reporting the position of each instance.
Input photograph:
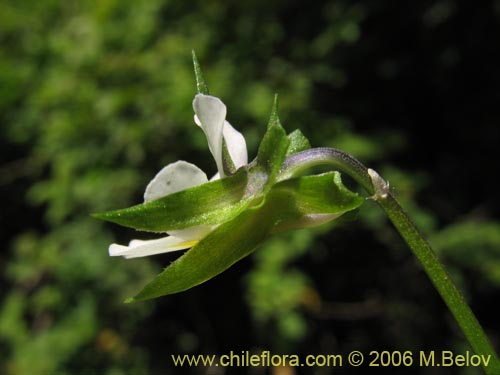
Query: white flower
(210, 115)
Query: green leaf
(298, 142)
(324, 193)
(274, 145)
(201, 86)
(311, 200)
(211, 203)
(223, 247)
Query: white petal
(236, 145)
(197, 121)
(192, 233)
(139, 248)
(210, 115)
(173, 178)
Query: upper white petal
(173, 178)
(139, 248)
(236, 145)
(210, 115)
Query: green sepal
(274, 145)
(298, 142)
(283, 208)
(201, 86)
(215, 253)
(207, 204)
(311, 200)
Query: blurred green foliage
(95, 97)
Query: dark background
(95, 97)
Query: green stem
(455, 301)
